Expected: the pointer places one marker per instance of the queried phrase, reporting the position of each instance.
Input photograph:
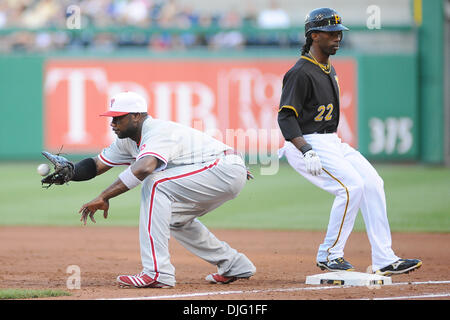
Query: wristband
(305, 148)
(129, 179)
(84, 170)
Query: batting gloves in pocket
(312, 161)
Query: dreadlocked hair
(307, 45)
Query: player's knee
(375, 183)
(237, 184)
(236, 188)
(147, 183)
(356, 188)
(379, 181)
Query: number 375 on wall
(391, 135)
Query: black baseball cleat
(399, 267)
(338, 264)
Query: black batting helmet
(323, 19)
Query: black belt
(325, 131)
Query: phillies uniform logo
(142, 147)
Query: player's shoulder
(300, 69)
(163, 129)
(299, 66)
(154, 126)
(163, 125)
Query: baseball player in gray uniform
(184, 174)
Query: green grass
(418, 199)
(29, 294)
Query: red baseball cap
(124, 103)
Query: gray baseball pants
(171, 202)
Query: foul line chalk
(213, 293)
(425, 296)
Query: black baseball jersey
(309, 100)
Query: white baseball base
(348, 278)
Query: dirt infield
(38, 258)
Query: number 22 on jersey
(322, 109)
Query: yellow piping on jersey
(321, 66)
(345, 211)
(289, 107)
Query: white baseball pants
(172, 200)
(357, 186)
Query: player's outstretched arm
(100, 167)
(66, 170)
(88, 168)
(127, 180)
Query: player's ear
(314, 36)
(138, 116)
(142, 115)
(135, 116)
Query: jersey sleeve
(296, 87)
(289, 126)
(293, 95)
(116, 155)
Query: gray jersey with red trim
(172, 143)
(194, 177)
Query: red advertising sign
(226, 98)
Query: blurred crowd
(155, 20)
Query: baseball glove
(64, 170)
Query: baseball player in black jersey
(308, 118)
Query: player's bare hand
(88, 209)
(313, 164)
